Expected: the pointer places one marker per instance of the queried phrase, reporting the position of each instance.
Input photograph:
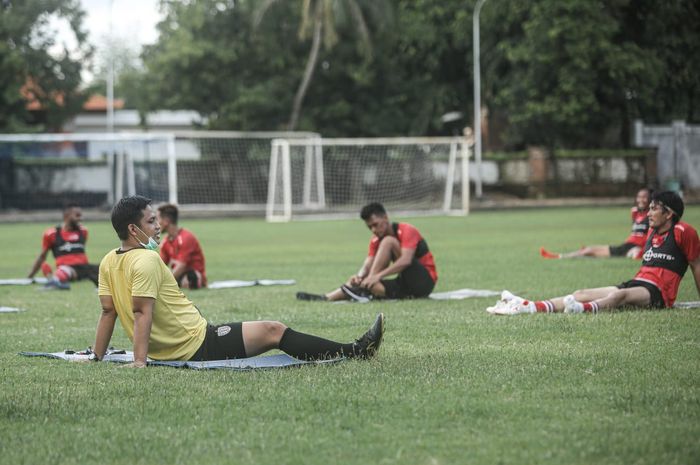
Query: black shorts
(656, 299)
(621, 250)
(221, 342)
(87, 271)
(194, 279)
(413, 281)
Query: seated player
(395, 248)
(67, 243)
(671, 247)
(163, 324)
(181, 250)
(631, 248)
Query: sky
(133, 23)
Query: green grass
(451, 384)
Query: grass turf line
(452, 384)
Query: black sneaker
(368, 345)
(358, 294)
(307, 296)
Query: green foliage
(451, 384)
(26, 59)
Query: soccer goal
(334, 178)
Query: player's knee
(273, 330)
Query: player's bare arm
(105, 326)
(143, 318)
(37, 263)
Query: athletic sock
(590, 307)
(61, 275)
(544, 306)
(308, 347)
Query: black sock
(308, 347)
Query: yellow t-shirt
(178, 329)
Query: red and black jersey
(666, 257)
(409, 238)
(640, 227)
(183, 248)
(68, 247)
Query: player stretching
(671, 246)
(137, 286)
(395, 248)
(631, 248)
(181, 250)
(67, 243)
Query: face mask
(151, 245)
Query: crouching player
(181, 250)
(671, 247)
(138, 288)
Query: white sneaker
(571, 305)
(511, 304)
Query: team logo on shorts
(222, 331)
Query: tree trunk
(309, 71)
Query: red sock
(544, 306)
(590, 307)
(62, 275)
(46, 269)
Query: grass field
(451, 384)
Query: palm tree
(318, 21)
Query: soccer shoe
(571, 305)
(54, 284)
(507, 299)
(547, 254)
(358, 294)
(307, 296)
(368, 345)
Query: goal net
(330, 178)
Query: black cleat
(307, 296)
(368, 345)
(358, 294)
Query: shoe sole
(373, 347)
(356, 297)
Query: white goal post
(328, 178)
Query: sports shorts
(621, 250)
(86, 271)
(413, 282)
(221, 342)
(656, 299)
(194, 280)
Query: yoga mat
(22, 281)
(241, 364)
(235, 283)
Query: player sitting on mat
(631, 248)
(137, 286)
(67, 243)
(395, 248)
(671, 246)
(181, 251)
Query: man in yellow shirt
(137, 286)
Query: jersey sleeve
(103, 281)
(165, 252)
(188, 248)
(48, 240)
(687, 239)
(409, 237)
(373, 246)
(146, 276)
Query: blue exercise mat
(241, 364)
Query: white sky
(133, 23)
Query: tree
(34, 67)
(318, 21)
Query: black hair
(169, 211)
(68, 205)
(374, 208)
(671, 200)
(128, 210)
